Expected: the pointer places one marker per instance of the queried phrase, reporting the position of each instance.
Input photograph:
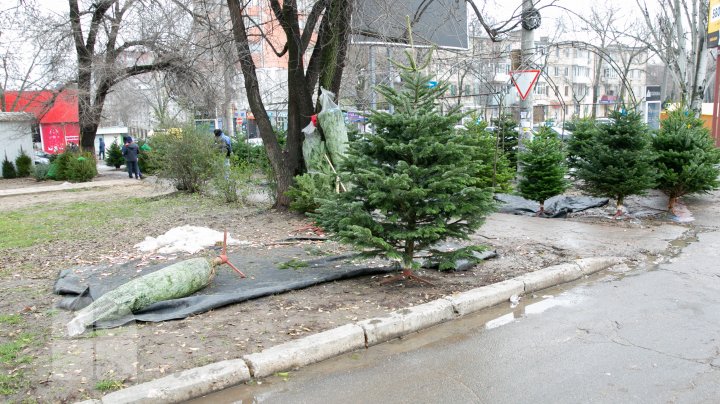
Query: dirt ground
(60, 369)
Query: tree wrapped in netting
(412, 183)
(618, 160)
(542, 168)
(686, 156)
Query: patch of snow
(190, 239)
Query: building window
(567, 91)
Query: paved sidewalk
(66, 186)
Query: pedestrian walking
(101, 149)
(130, 152)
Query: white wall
(15, 135)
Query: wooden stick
(337, 177)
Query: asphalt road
(649, 335)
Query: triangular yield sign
(524, 81)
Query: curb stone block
(591, 265)
(184, 385)
(550, 276)
(405, 321)
(304, 351)
(486, 296)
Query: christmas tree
(496, 171)
(685, 156)
(506, 130)
(542, 168)
(412, 183)
(583, 131)
(617, 160)
(114, 156)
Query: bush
(8, 169)
(41, 172)
(81, 168)
(114, 156)
(187, 157)
(308, 188)
(147, 161)
(232, 181)
(24, 164)
(62, 164)
(74, 166)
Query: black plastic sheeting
(81, 286)
(555, 207)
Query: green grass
(9, 351)
(10, 319)
(11, 383)
(108, 385)
(62, 221)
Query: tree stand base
(406, 274)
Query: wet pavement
(644, 334)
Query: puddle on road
(444, 334)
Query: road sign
(713, 23)
(524, 81)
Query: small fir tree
(413, 183)
(583, 131)
(507, 137)
(617, 160)
(8, 169)
(686, 156)
(542, 168)
(114, 156)
(496, 171)
(23, 164)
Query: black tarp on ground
(556, 207)
(81, 286)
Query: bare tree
(114, 40)
(31, 53)
(677, 35)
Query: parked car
(41, 157)
(562, 133)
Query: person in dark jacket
(101, 149)
(130, 152)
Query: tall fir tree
(618, 160)
(583, 131)
(542, 168)
(507, 134)
(686, 156)
(496, 171)
(412, 183)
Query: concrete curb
(315, 348)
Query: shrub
(114, 156)
(41, 172)
(186, 157)
(308, 188)
(62, 163)
(147, 161)
(232, 181)
(24, 164)
(8, 169)
(82, 168)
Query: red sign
(56, 135)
